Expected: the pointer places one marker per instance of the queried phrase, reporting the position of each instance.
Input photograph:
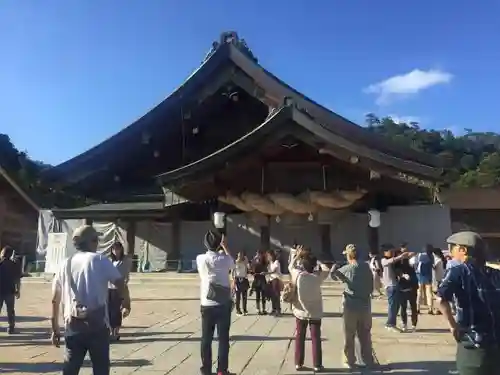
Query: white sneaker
(404, 328)
(392, 328)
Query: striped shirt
(477, 293)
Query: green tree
(26, 172)
(473, 159)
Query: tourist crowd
(91, 289)
(461, 287)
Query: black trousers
(241, 294)
(10, 302)
(474, 361)
(211, 317)
(408, 298)
(259, 286)
(274, 290)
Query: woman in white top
(275, 284)
(118, 299)
(438, 268)
(241, 283)
(376, 268)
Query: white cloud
(456, 130)
(407, 84)
(405, 119)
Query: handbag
(289, 293)
(219, 293)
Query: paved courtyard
(162, 337)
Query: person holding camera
(391, 283)
(214, 267)
(307, 303)
(476, 289)
(357, 312)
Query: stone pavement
(162, 337)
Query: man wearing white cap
(81, 287)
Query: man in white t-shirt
(80, 287)
(216, 302)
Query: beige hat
(83, 236)
(350, 250)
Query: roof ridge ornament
(231, 37)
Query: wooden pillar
(130, 243)
(175, 246)
(326, 242)
(265, 236)
(131, 230)
(373, 239)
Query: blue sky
(73, 73)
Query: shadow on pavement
(147, 334)
(44, 367)
(21, 319)
(433, 330)
(339, 315)
(191, 337)
(403, 368)
(164, 299)
(421, 367)
(26, 336)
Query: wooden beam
(17, 188)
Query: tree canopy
(473, 158)
(26, 172)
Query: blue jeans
(96, 343)
(392, 293)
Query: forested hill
(26, 171)
(474, 158)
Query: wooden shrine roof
(289, 120)
(230, 60)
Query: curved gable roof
(232, 49)
(273, 128)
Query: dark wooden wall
(483, 221)
(18, 222)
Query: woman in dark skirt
(259, 284)
(118, 299)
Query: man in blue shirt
(476, 289)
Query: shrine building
(234, 138)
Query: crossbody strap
(69, 275)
